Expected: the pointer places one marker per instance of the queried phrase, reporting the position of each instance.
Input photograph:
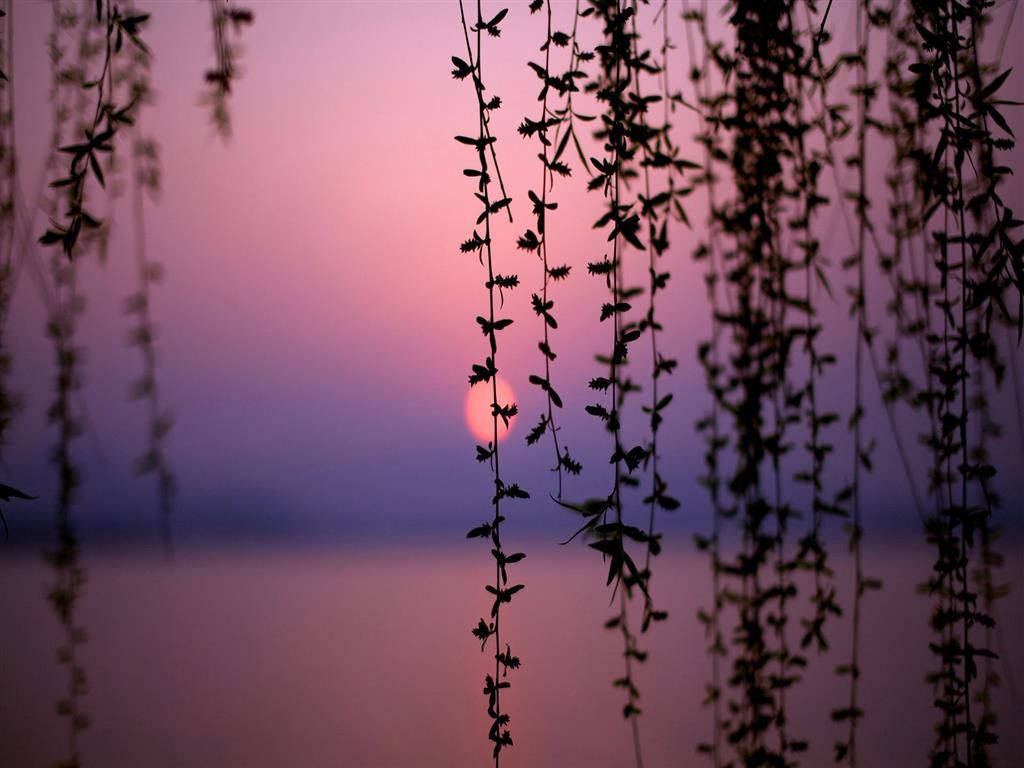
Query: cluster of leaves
(802, 73)
(227, 22)
(775, 177)
(486, 373)
(99, 134)
(977, 282)
(658, 155)
(566, 86)
(621, 131)
(563, 85)
(766, 276)
(988, 368)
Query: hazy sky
(316, 323)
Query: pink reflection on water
(364, 658)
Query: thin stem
(710, 359)
(154, 459)
(478, 77)
(965, 531)
(494, 379)
(862, 340)
(498, 732)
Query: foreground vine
(657, 153)
(979, 269)
(481, 244)
(619, 125)
(551, 165)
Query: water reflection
(363, 657)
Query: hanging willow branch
(537, 242)
(910, 266)
(604, 517)
(657, 153)
(69, 576)
(567, 114)
(487, 372)
(989, 368)
(988, 265)
(227, 22)
(846, 750)
(145, 181)
(709, 251)
(98, 135)
(761, 108)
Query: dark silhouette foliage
(487, 373)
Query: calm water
(364, 658)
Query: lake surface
(362, 656)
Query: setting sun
(478, 410)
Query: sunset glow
(478, 410)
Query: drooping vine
(69, 575)
(227, 22)
(761, 109)
(537, 242)
(989, 368)
(657, 153)
(910, 266)
(808, 164)
(145, 181)
(990, 272)
(605, 517)
(567, 114)
(981, 274)
(487, 373)
(708, 354)
(72, 111)
(101, 130)
(863, 92)
(988, 565)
